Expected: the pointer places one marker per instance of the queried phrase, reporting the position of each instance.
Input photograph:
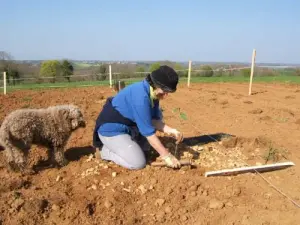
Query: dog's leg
(19, 152)
(59, 156)
(10, 159)
(51, 157)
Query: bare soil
(223, 128)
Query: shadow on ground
(75, 153)
(71, 154)
(206, 139)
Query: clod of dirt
(248, 102)
(256, 111)
(193, 193)
(183, 217)
(35, 206)
(161, 217)
(205, 193)
(190, 183)
(159, 202)
(55, 207)
(168, 209)
(223, 102)
(216, 204)
(17, 204)
(236, 191)
(290, 97)
(90, 158)
(229, 204)
(153, 181)
(169, 190)
(142, 189)
(108, 204)
(114, 174)
(194, 188)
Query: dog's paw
(27, 172)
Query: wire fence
(208, 74)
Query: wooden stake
(262, 168)
(110, 77)
(252, 71)
(189, 74)
(4, 82)
(183, 162)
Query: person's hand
(171, 161)
(178, 135)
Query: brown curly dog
(50, 127)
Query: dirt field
(265, 127)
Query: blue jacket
(134, 103)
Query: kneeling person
(128, 122)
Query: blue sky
(196, 30)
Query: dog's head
(73, 114)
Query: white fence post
(189, 74)
(4, 82)
(110, 77)
(252, 71)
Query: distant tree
(12, 73)
(154, 66)
(9, 66)
(103, 68)
(102, 72)
(297, 72)
(50, 68)
(246, 72)
(141, 71)
(206, 71)
(180, 70)
(219, 72)
(67, 69)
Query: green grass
(268, 79)
(64, 84)
(225, 79)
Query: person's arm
(161, 126)
(142, 115)
(157, 145)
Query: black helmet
(165, 78)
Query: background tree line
(67, 70)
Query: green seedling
(274, 154)
(182, 115)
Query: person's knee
(137, 165)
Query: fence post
(4, 82)
(110, 77)
(189, 74)
(252, 71)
